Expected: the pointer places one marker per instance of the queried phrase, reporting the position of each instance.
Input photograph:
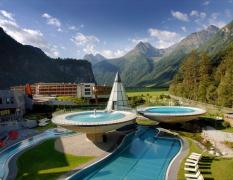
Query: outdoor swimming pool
(141, 156)
(170, 110)
(171, 114)
(8, 153)
(99, 116)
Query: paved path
(217, 138)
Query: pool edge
(174, 165)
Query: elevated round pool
(171, 114)
(94, 123)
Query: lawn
(44, 128)
(152, 93)
(210, 167)
(145, 122)
(230, 130)
(44, 162)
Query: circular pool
(171, 114)
(92, 122)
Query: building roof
(118, 99)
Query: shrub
(226, 124)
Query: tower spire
(118, 99)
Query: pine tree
(205, 77)
(225, 88)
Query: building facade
(13, 105)
(82, 90)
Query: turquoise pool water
(97, 117)
(170, 110)
(141, 156)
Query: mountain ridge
(157, 66)
(21, 64)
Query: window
(12, 100)
(8, 100)
(0, 100)
(87, 93)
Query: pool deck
(79, 145)
(84, 147)
(174, 167)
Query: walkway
(217, 138)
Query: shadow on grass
(205, 167)
(44, 162)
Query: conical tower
(118, 99)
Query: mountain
(147, 49)
(207, 74)
(148, 66)
(93, 59)
(133, 66)
(21, 64)
(168, 65)
(222, 39)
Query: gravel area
(217, 138)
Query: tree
(225, 88)
(205, 67)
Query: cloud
(113, 54)
(81, 39)
(25, 35)
(52, 21)
(183, 28)
(180, 16)
(198, 14)
(137, 40)
(89, 49)
(206, 3)
(76, 28)
(88, 42)
(214, 20)
(7, 15)
(164, 38)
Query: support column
(98, 137)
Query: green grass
(229, 144)
(75, 100)
(146, 93)
(192, 148)
(222, 169)
(146, 122)
(44, 162)
(36, 116)
(230, 130)
(44, 128)
(210, 167)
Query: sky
(73, 28)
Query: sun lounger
(193, 153)
(191, 161)
(194, 157)
(193, 175)
(200, 177)
(190, 164)
(195, 169)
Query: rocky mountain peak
(94, 58)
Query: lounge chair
(193, 153)
(200, 177)
(195, 169)
(193, 175)
(192, 161)
(191, 164)
(194, 157)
